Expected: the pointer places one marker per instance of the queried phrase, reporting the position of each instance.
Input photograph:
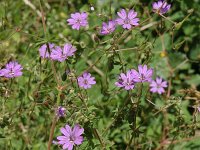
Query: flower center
(63, 55)
(108, 30)
(159, 86)
(127, 21)
(142, 77)
(12, 72)
(85, 81)
(71, 138)
(78, 21)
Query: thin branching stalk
(135, 109)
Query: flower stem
(135, 109)
(52, 132)
(117, 115)
(54, 121)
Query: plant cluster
(77, 86)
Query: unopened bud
(92, 8)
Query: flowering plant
(99, 74)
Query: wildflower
(77, 20)
(60, 112)
(85, 81)
(161, 6)
(70, 136)
(43, 50)
(125, 81)
(127, 19)
(158, 86)
(143, 75)
(57, 54)
(11, 70)
(108, 28)
(60, 54)
(69, 50)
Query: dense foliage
(51, 92)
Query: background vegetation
(27, 103)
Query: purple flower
(11, 70)
(77, 20)
(127, 19)
(85, 81)
(161, 6)
(60, 54)
(125, 81)
(158, 86)
(57, 54)
(69, 50)
(108, 28)
(44, 53)
(1, 72)
(60, 112)
(70, 137)
(143, 75)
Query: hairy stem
(135, 109)
(52, 132)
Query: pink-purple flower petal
(12, 69)
(127, 19)
(158, 85)
(161, 6)
(78, 20)
(70, 137)
(86, 80)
